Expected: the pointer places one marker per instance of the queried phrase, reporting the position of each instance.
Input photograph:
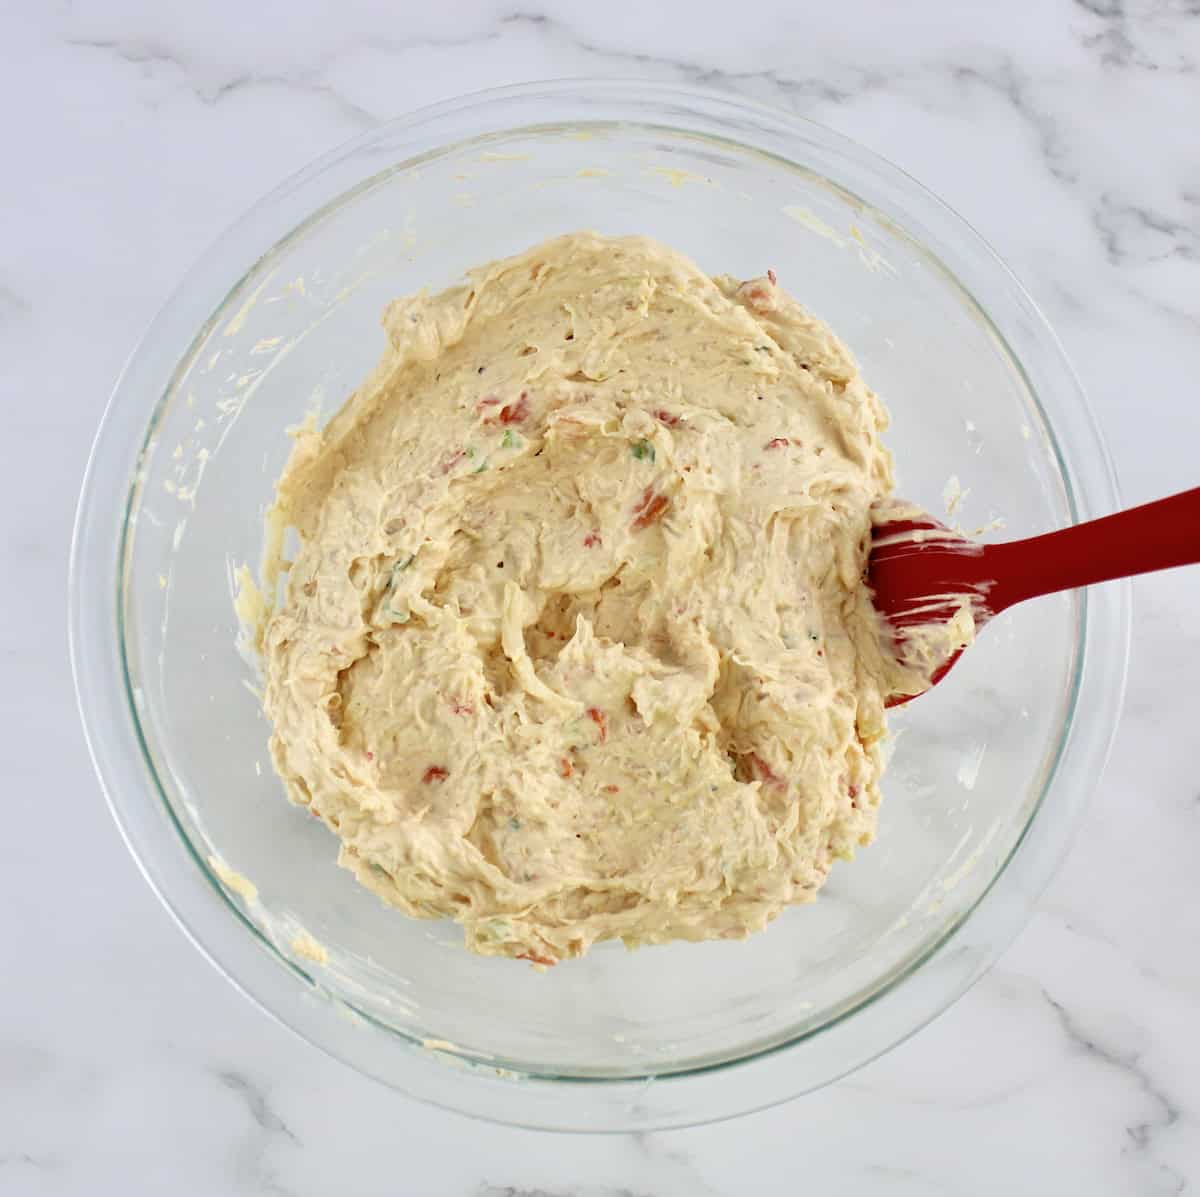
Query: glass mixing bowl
(281, 319)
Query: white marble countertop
(135, 130)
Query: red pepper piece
(515, 413)
(649, 509)
(598, 718)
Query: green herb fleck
(398, 567)
(515, 823)
(480, 468)
(470, 450)
(510, 440)
(643, 450)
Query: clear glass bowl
(281, 318)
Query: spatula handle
(1158, 535)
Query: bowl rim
(97, 642)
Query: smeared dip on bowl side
(576, 644)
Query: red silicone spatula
(916, 565)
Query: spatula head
(929, 585)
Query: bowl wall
(977, 390)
